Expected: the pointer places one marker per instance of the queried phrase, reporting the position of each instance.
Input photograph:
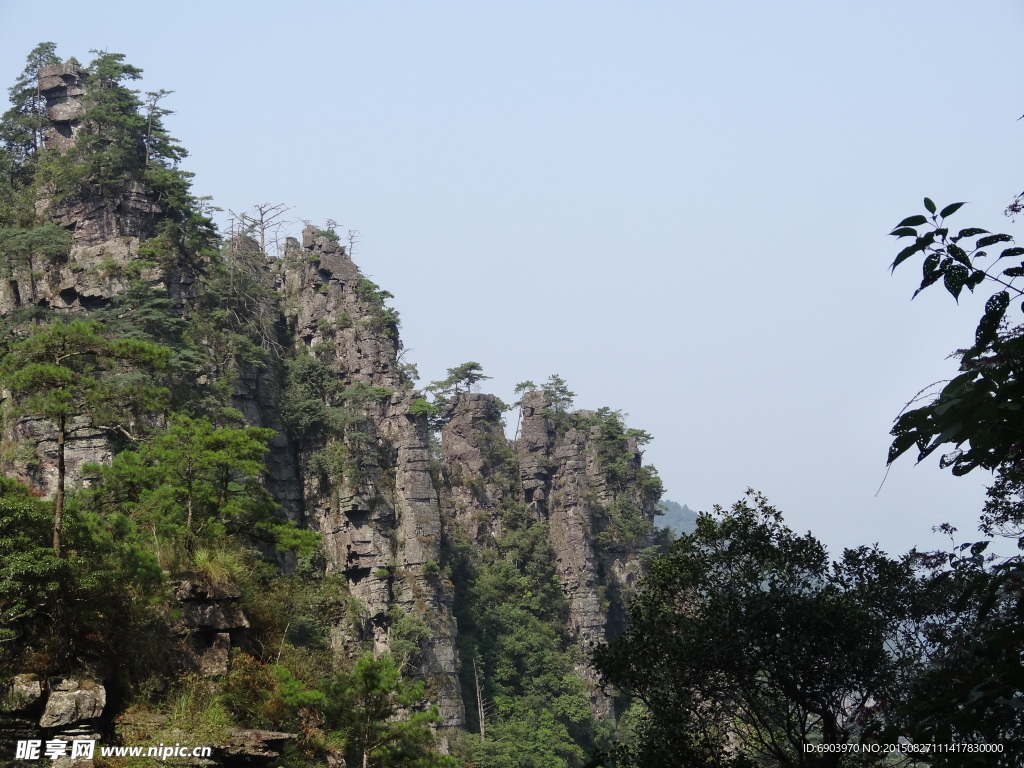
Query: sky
(681, 208)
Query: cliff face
(556, 471)
(352, 457)
(91, 254)
(366, 482)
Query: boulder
(73, 700)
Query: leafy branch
(982, 405)
(955, 260)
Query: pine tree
(73, 376)
(22, 126)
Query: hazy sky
(679, 207)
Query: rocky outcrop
(73, 701)
(564, 482)
(475, 461)
(534, 448)
(366, 481)
(98, 256)
(63, 85)
(253, 748)
(66, 709)
(361, 476)
(211, 623)
(557, 474)
(26, 691)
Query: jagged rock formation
(378, 511)
(361, 472)
(474, 451)
(558, 474)
(211, 624)
(63, 85)
(67, 709)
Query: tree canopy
(745, 646)
(77, 378)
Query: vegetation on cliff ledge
(223, 498)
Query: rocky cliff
(353, 455)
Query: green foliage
(310, 386)
(371, 293)
(744, 646)
(981, 406)
(119, 139)
(66, 370)
(465, 375)
(970, 692)
(24, 251)
(194, 707)
(56, 610)
(77, 378)
(333, 419)
(408, 634)
(195, 483)
(143, 313)
(381, 317)
(233, 324)
(512, 617)
(558, 392)
(365, 703)
(422, 407)
(22, 126)
(30, 571)
(330, 233)
(635, 488)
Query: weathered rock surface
(366, 485)
(103, 258)
(253, 747)
(24, 694)
(475, 459)
(564, 483)
(63, 85)
(211, 624)
(72, 701)
(378, 513)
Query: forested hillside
(232, 517)
(229, 514)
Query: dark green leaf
(972, 231)
(950, 209)
(929, 205)
(906, 253)
(1011, 252)
(954, 277)
(947, 435)
(931, 272)
(992, 240)
(988, 328)
(977, 278)
(913, 221)
(959, 254)
(904, 232)
(1014, 272)
(958, 384)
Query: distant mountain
(679, 517)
